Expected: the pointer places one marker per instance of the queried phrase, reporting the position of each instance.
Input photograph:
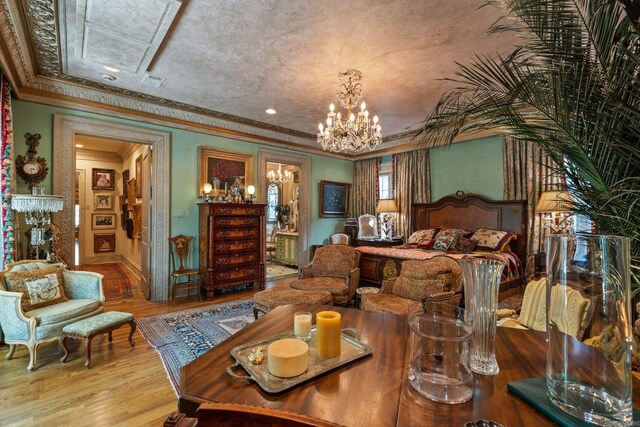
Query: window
(384, 181)
(273, 196)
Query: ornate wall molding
(65, 129)
(304, 206)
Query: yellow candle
(328, 334)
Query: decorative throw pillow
(427, 245)
(493, 240)
(442, 243)
(466, 245)
(39, 288)
(456, 233)
(422, 236)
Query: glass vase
(588, 293)
(481, 286)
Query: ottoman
(267, 300)
(86, 329)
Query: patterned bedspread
(513, 265)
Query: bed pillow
(39, 288)
(466, 245)
(443, 243)
(456, 233)
(493, 240)
(422, 236)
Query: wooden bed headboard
(470, 212)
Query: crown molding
(97, 155)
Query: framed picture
(102, 201)
(103, 179)
(334, 199)
(139, 176)
(125, 180)
(104, 242)
(224, 166)
(101, 221)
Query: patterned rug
(117, 282)
(182, 336)
(280, 271)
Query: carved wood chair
(271, 243)
(339, 239)
(180, 247)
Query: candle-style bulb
(363, 106)
(321, 127)
(375, 120)
(352, 117)
(332, 107)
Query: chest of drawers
(231, 245)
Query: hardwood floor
(124, 386)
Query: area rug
(117, 282)
(181, 336)
(276, 271)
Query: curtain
(7, 174)
(365, 186)
(528, 171)
(411, 182)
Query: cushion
(86, 327)
(419, 279)
(39, 288)
(443, 243)
(568, 309)
(466, 245)
(533, 314)
(64, 311)
(422, 236)
(493, 240)
(334, 261)
(282, 295)
(386, 303)
(456, 233)
(335, 285)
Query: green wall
(38, 118)
(472, 166)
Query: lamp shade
(387, 206)
(251, 190)
(554, 201)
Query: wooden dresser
(231, 245)
(287, 248)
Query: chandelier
(354, 132)
(37, 209)
(279, 177)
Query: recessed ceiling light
(112, 69)
(270, 111)
(108, 77)
(79, 145)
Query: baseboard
(134, 269)
(103, 259)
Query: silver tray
(352, 350)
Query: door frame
(66, 127)
(304, 206)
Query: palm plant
(571, 86)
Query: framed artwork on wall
(139, 176)
(224, 166)
(334, 199)
(100, 221)
(103, 179)
(125, 180)
(102, 201)
(104, 242)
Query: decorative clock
(32, 169)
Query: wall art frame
(335, 199)
(104, 242)
(103, 221)
(103, 179)
(102, 201)
(223, 165)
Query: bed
(463, 211)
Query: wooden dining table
(373, 391)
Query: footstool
(267, 300)
(86, 329)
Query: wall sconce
(251, 190)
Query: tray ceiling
(234, 59)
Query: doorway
(300, 194)
(155, 266)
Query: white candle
(302, 325)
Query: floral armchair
(83, 297)
(438, 280)
(335, 268)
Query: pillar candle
(328, 334)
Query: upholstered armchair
(437, 280)
(335, 268)
(84, 298)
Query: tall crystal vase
(588, 290)
(481, 285)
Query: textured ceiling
(243, 56)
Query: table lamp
(387, 207)
(206, 189)
(251, 190)
(553, 204)
(37, 209)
